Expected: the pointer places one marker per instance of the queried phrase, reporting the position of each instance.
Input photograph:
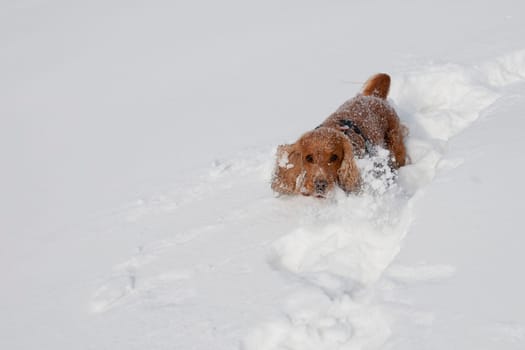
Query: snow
(138, 146)
(478, 305)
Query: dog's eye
(333, 158)
(309, 158)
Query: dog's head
(318, 161)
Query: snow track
(329, 262)
(343, 249)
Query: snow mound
(347, 242)
(442, 99)
(504, 70)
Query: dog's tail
(378, 86)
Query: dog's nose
(320, 186)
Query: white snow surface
(138, 144)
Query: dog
(325, 157)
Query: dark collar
(350, 127)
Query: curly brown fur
(324, 157)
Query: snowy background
(137, 145)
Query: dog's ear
(348, 174)
(288, 174)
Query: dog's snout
(320, 185)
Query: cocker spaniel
(325, 156)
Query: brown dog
(324, 157)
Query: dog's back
(373, 116)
